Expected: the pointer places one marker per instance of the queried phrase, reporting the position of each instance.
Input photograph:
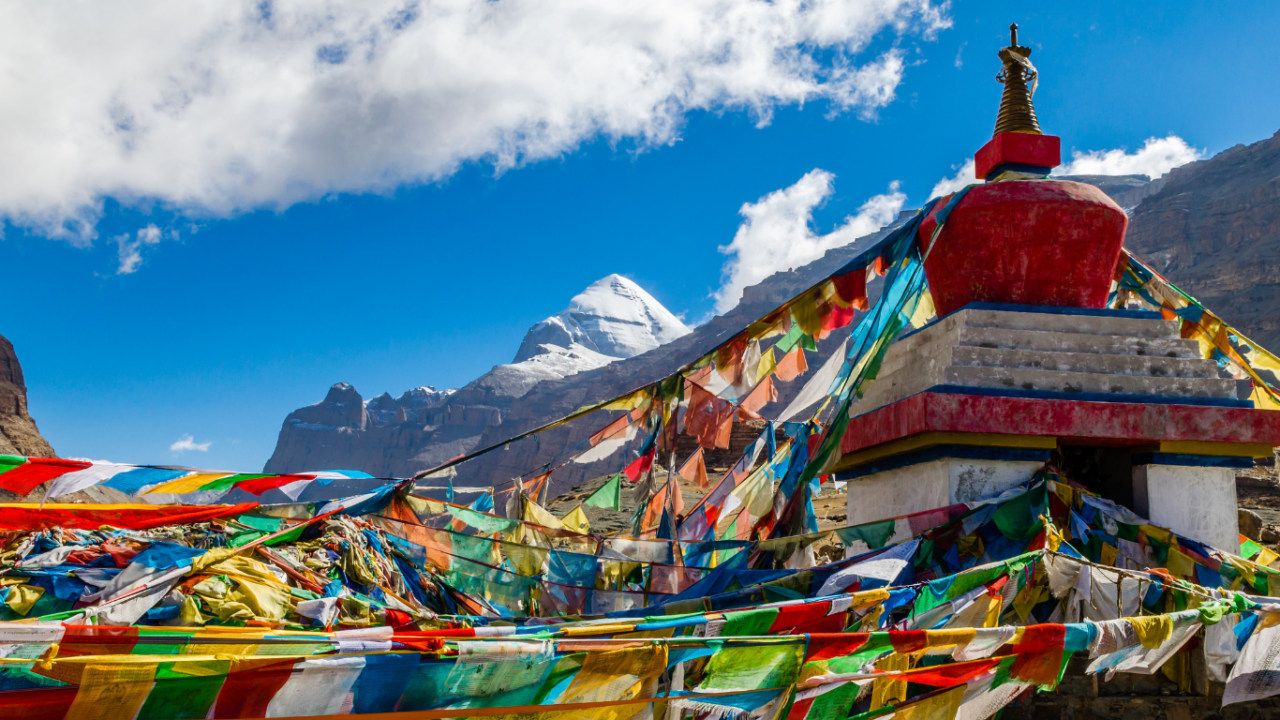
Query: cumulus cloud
(777, 234)
(947, 185)
(1156, 157)
(222, 106)
(130, 246)
(187, 442)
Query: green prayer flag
(291, 536)
(608, 496)
(789, 340)
(178, 694)
(1019, 518)
(875, 534)
(244, 538)
(749, 622)
(737, 667)
(484, 523)
(258, 522)
(1249, 548)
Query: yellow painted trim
(929, 439)
(1200, 447)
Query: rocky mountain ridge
(613, 319)
(18, 432)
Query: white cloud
(131, 247)
(187, 442)
(1155, 158)
(217, 107)
(776, 233)
(963, 177)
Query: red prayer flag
(1040, 654)
(250, 686)
(909, 641)
(27, 477)
(38, 704)
(127, 517)
(827, 646)
(640, 465)
(257, 486)
(851, 288)
(789, 616)
(951, 675)
(837, 318)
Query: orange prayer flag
(724, 432)
(533, 486)
(762, 395)
(729, 359)
(792, 365)
(608, 431)
(705, 415)
(695, 469)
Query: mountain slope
(612, 319)
(18, 432)
(1214, 230)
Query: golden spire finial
(1016, 111)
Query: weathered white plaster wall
(931, 485)
(1198, 502)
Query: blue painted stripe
(1088, 397)
(1219, 461)
(937, 452)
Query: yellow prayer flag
(116, 690)
(1179, 564)
(22, 598)
(1152, 631)
(944, 706)
(538, 515)
(187, 483)
(1109, 555)
(890, 691)
(1262, 399)
(576, 520)
(768, 363)
(1266, 557)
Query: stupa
(1026, 364)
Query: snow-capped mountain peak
(614, 316)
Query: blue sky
(251, 302)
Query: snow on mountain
(611, 320)
(613, 317)
(551, 363)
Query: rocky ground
(1258, 496)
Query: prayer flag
(608, 496)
